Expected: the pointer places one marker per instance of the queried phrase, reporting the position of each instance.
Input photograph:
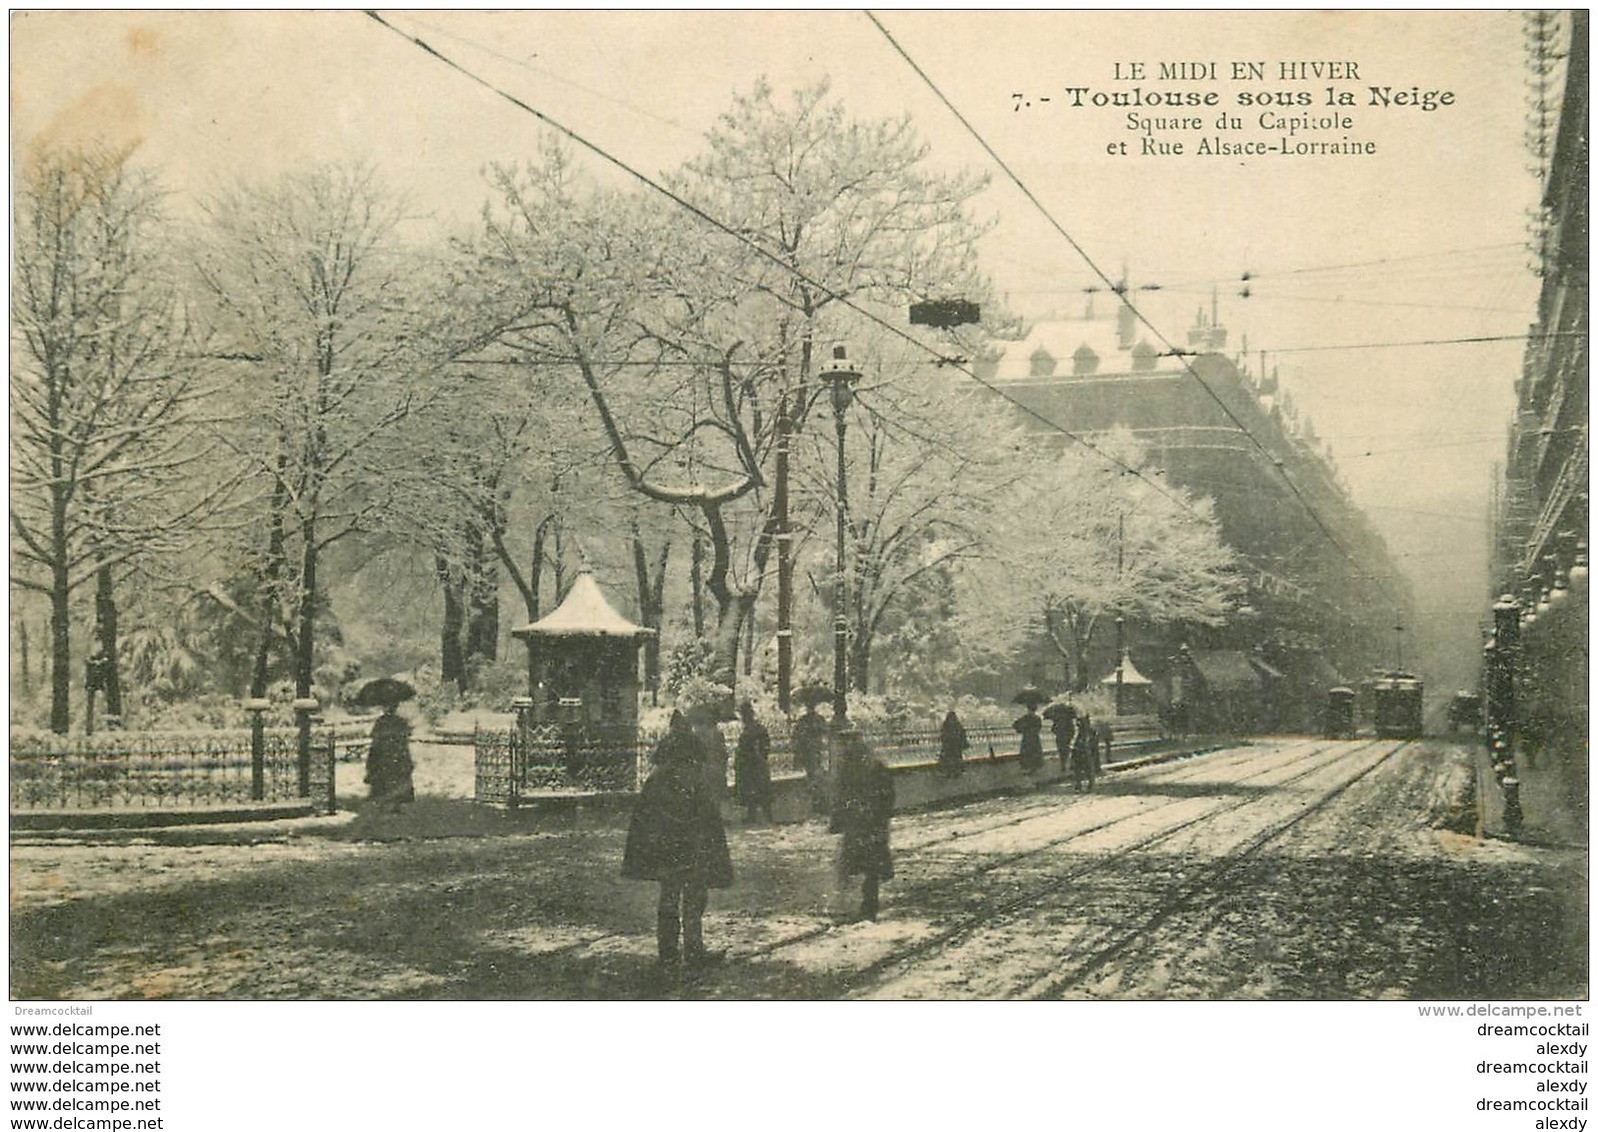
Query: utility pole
(841, 376)
(1120, 622)
(784, 560)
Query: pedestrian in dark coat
(863, 808)
(1063, 725)
(676, 838)
(953, 745)
(1030, 726)
(752, 766)
(1082, 758)
(388, 760)
(810, 747)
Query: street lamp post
(1120, 621)
(840, 375)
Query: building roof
(1064, 340)
(1226, 670)
(585, 612)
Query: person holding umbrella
(1062, 722)
(388, 754)
(1031, 728)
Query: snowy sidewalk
(1553, 799)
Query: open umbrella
(383, 691)
(813, 695)
(1055, 711)
(1031, 696)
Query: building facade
(1323, 594)
(1541, 542)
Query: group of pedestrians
(676, 836)
(1079, 743)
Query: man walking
(676, 838)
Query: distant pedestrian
(1063, 724)
(810, 748)
(676, 837)
(1082, 768)
(1030, 726)
(714, 745)
(1106, 737)
(388, 760)
(863, 809)
(952, 746)
(752, 765)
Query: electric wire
(870, 316)
(1120, 290)
(742, 238)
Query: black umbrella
(1055, 711)
(1031, 696)
(383, 691)
(812, 695)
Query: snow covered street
(1287, 869)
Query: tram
(1396, 699)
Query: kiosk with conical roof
(577, 727)
(582, 662)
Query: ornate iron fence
(899, 746)
(551, 758)
(118, 770)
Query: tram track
(1047, 807)
(1217, 881)
(1103, 945)
(969, 923)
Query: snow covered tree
(322, 315)
(103, 390)
(1088, 542)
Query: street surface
(1285, 869)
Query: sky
(1422, 240)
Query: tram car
(1396, 705)
(1464, 711)
(1340, 723)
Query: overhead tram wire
(782, 264)
(1204, 283)
(728, 230)
(1098, 271)
(1474, 340)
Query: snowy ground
(1294, 869)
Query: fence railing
(550, 758)
(118, 770)
(510, 767)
